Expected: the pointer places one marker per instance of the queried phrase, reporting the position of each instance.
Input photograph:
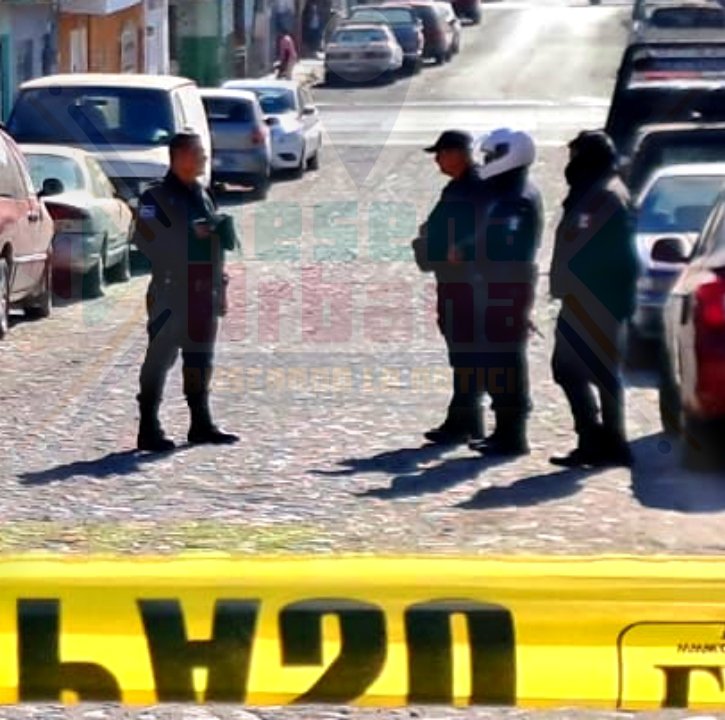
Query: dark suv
(436, 44)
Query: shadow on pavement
(531, 490)
(116, 463)
(403, 461)
(434, 479)
(660, 481)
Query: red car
(26, 234)
(692, 370)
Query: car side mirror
(51, 186)
(670, 250)
(309, 110)
(271, 121)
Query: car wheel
(476, 18)
(331, 80)
(121, 271)
(4, 298)
(261, 188)
(670, 405)
(701, 444)
(440, 58)
(94, 279)
(300, 169)
(314, 162)
(639, 350)
(40, 306)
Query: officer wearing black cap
(594, 273)
(184, 238)
(446, 246)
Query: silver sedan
(363, 53)
(92, 224)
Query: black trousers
(172, 331)
(587, 358)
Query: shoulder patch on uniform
(584, 221)
(146, 212)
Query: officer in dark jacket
(446, 246)
(180, 232)
(594, 273)
(511, 236)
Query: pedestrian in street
(313, 26)
(180, 231)
(446, 246)
(506, 257)
(594, 273)
(286, 56)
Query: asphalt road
(330, 366)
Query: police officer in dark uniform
(446, 246)
(511, 235)
(184, 238)
(594, 273)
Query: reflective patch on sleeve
(147, 212)
(584, 221)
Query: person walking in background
(286, 56)
(313, 27)
(594, 273)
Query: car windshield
(275, 101)
(678, 204)
(92, 115)
(646, 105)
(393, 16)
(359, 37)
(65, 169)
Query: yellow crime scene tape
(628, 633)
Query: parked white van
(124, 120)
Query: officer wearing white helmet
(513, 225)
(480, 240)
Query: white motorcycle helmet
(504, 149)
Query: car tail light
(68, 219)
(259, 136)
(710, 306)
(709, 317)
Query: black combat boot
(614, 450)
(588, 451)
(460, 426)
(151, 437)
(508, 439)
(202, 430)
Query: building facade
(156, 39)
(27, 46)
(107, 36)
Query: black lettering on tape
(226, 655)
(42, 675)
(677, 682)
(362, 653)
(430, 652)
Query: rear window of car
(393, 16)
(43, 167)
(223, 110)
(648, 105)
(359, 36)
(687, 18)
(275, 100)
(99, 116)
(679, 204)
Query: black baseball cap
(452, 140)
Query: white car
(293, 119)
(92, 224)
(362, 52)
(674, 203)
